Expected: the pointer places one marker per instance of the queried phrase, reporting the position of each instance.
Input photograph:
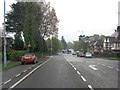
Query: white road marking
(24, 70)
(1, 83)
(103, 64)
(110, 67)
(92, 66)
(83, 78)
(18, 75)
(90, 87)
(117, 69)
(7, 81)
(98, 63)
(29, 68)
(75, 68)
(78, 72)
(27, 75)
(72, 66)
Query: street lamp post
(5, 58)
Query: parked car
(80, 54)
(74, 53)
(29, 58)
(88, 55)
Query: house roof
(115, 34)
(98, 43)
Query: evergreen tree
(64, 43)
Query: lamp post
(5, 58)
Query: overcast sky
(81, 17)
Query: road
(68, 71)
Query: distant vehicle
(80, 54)
(29, 58)
(74, 53)
(88, 55)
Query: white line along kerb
(90, 87)
(27, 75)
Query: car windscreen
(88, 53)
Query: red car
(29, 58)
(80, 54)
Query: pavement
(67, 71)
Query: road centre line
(83, 78)
(28, 75)
(92, 66)
(90, 87)
(78, 72)
(109, 66)
(75, 68)
(103, 64)
(7, 81)
(117, 69)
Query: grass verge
(10, 65)
(110, 58)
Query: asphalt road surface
(68, 71)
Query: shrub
(16, 55)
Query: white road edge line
(90, 87)
(27, 75)
(110, 67)
(78, 72)
(7, 81)
(83, 78)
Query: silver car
(88, 55)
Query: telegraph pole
(5, 64)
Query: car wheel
(34, 61)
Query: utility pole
(5, 58)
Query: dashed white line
(78, 72)
(90, 87)
(83, 78)
(27, 75)
(75, 68)
(18, 75)
(29, 68)
(7, 81)
(103, 64)
(72, 66)
(24, 70)
(117, 69)
(110, 67)
(92, 66)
